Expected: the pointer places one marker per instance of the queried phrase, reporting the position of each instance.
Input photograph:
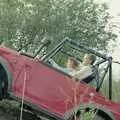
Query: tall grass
(115, 90)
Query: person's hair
(92, 58)
(74, 61)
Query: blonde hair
(73, 60)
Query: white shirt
(84, 72)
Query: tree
(26, 23)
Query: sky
(113, 5)
(114, 10)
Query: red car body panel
(50, 89)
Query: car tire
(0, 92)
(3, 89)
(98, 117)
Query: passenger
(86, 68)
(71, 65)
(72, 69)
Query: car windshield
(70, 48)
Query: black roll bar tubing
(110, 79)
(78, 49)
(100, 62)
(109, 59)
(54, 53)
(70, 55)
(55, 50)
(97, 76)
(117, 62)
(41, 47)
(28, 55)
(88, 49)
(102, 79)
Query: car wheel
(3, 89)
(3, 82)
(98, 117)
(101, 115)
(0, 92)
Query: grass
(115, 90)
(9, 110)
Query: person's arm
(82, 73)
(55, 65)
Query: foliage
(24, 24)
(88, 116)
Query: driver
(72, 69)
(71, 66)
(86, 68)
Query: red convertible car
(52, 92)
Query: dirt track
(4, 116)
(9, 110)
